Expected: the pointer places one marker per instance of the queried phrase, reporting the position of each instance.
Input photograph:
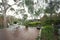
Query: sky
(11, 2)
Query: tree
(52, 7)
(39, 12)
(5, 6)
(32, 10)
(30, 5)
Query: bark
(4, 20)
(4, 3)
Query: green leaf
(30, 4)
(12, 9)
(30, 9)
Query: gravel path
(19, 34)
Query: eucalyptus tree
(30, 5)
(53, 6)
(39, 12)
(5, 6)
(34, 11)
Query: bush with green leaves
(47, 33)
(32, 24)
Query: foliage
(30, 4)
(31, 9)
(52, 7)
(45, 20)
(46, 1)
(25, 17)
(7, 7)
(47, 33)
(32, 24)
(37, 13)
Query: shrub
(32, 24)
(47, 33)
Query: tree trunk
(26, 27)
(4, 3)
(4, 20)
